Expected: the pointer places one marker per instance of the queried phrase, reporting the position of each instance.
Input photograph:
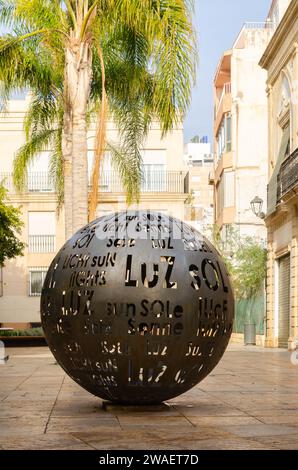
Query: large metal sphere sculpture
(137, 307)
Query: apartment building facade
(164, 188)
(199, 208)
(280, 60)
(240, 132)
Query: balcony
(287, 178)
(154, 181)
(35, 182)
(222, 106)
(41, 244)
(225, 91)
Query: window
(220, 197)
(36, 279)
(42, 227)
(197, 163)
(196, 179)
(225, 191)
(228, 133)
(154, 178)
(224, 136)
(154, 170)
(106, 173)
(229, 189)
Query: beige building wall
(16, 305)
(199, 207)
(280, 59)
(164, 189)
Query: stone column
(269, 338)
(294, 281)
(269, 332)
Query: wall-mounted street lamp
(256, 206)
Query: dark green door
(284, 301)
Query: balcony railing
(158, 181)
(37, 181)
(153, 181)
(258, 25)
(225, 91)
(41, 244)
(287, 177)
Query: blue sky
(218, 23)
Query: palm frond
(56, 168)
(129, 169)
(40, 13)
(7, 9)
(43, 113)
(174, 63)
(26, 154)
(100, 141)
(22, 68)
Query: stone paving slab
(205, 409)
(69, 425)
(248, 402)
(279, 442)
(45, 442)
(261, 430)
(207, 439)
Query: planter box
(23, 340)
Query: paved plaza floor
(250, 401)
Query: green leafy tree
(249, 273)
(249, 268)
(133, 60)
(245, 258)
(10, 224)
(226, 245)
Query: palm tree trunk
(67, 167)
(78, 74)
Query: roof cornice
(282, 30)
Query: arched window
(285, 97)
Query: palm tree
(133, 60)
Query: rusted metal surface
(137, 307)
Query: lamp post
(256, 206)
